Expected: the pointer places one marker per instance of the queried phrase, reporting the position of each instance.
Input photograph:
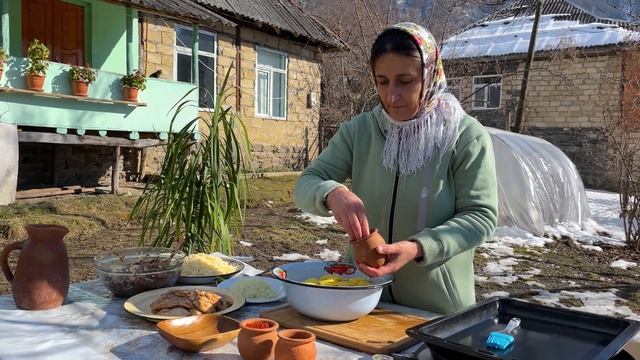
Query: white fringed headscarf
(412, 144)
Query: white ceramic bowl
(330, 303)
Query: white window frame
(178, 49)
(485, 92)
(271, 70)
(459, 81)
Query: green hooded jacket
(449, 209)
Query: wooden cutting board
(380, 332)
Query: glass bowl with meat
(127, 272)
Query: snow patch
(536, 284)
(623, 264)
(501, 272)
(530, 273)
(517, 237)
(291, 257)
(591, 247)
(497, 249)
(603, 303)
(320, 221)
(605, 214)
(495, 293)
(329, 255)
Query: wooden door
(37, 22)
(59, 25)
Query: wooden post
(306, 147)
(527, 68)
(143, 164)
(320, 135)
(54, 165)
(195, 36)
(4, 23)
(115, 171)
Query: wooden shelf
(71, 97)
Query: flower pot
(257, 339)
(364, 249)
(79, 87)
(296, 344)
(35, 82)
(129, 93)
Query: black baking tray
(545, 332)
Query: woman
(422, 172)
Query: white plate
(139, 305)
(275, 284)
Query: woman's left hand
(398, 254)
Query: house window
(454, 87)
(271, 84)
(206, 62)
(487, 92)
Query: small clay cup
(257, 339)
(296, 344)
(364, 249)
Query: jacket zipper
(391, 218)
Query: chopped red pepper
(259, 325)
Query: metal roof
(181, 9)
(584, 11)
(564, 24)
(512, 36)
(281, 15)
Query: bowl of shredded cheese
(207, 268)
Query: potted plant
(133, 83)
(200, 196)
(81, 77)
(38, 54)
(3, 59)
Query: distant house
(585, 73)
(273, 46)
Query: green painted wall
(31, 110)
(105, 27)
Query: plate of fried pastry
(179, 301)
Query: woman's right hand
(348, 210)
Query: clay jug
(296, 344)
(364, 249)
(41, 278)
(257, 339)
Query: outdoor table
(92, 324)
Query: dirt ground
(100, 222)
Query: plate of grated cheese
(208, 269)
(256, 289)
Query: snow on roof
(511, 36)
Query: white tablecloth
(92, 324)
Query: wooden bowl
(200, 332)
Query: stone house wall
(278, 145)
(570, 98)
(47, 165)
